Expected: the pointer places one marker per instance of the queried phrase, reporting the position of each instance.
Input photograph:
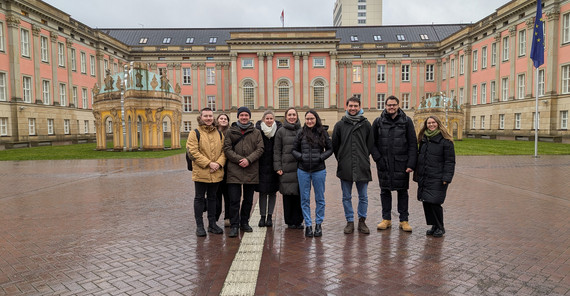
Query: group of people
(231, 162)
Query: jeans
(240, 217)
(362, 188)
(318, 181)
(386, 200)
(202, 190)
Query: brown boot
(384, 224)
(349, 228)
(405, 226)
(362, 226)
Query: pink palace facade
(50, 65)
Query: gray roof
(202, 36)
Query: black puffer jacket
(436, 164)
(268, 178)
(395, 149)
(284, 161)
(311, 158)
(352, 142)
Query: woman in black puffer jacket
(312, 147)
(434, 171)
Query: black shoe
(438, 233)
(268, 222)
(246, 228)
(215, 229)
(309, 231)
(299, 226)
(292, 226)
(431, 231)
(234, 231)
(200, 231)
(261, 222)
(318, 230)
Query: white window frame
(474, 95)
(493, 91)
(73, 59)
(3, 124)
(405, 101)
(430, 68)
(83, 62)
(483, 93)
(564, 119)
(380, 101)
(187, 126)
(1, 36)
(74, 96)
(210, 75)
(187, 103)
(50, 125)
(248, 94)
(482, 122)
(405, 73)
(84, 98)
(282, 63)
(461, 93)
(61, 54)
(62, 94)
(25, 42)
(521, 81)
(517, 121)
(475, 60)
(186, 76)
(452, 68)
(494, 54)
(522, 43)
(444, 71)
(473, 122)
(247, 63)
(319, 94)
(85, 126)
(211, 102)
(505, 50)
(356, 74)
(501, 121)
(566, 28)
(92, 65)
(44, 49)
(541, 82)
(461, 64)
(3, 87)
(31, 126)
(165, 126)
(484, 57)
(319, 62)
(505, 89)
(565, 77)
(381, 76)
(46, 92)
(67, 126)
(27, 89)
(284, 94)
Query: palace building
(53, 70)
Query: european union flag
(537, 51)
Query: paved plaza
(126, 227)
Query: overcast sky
(261, 13)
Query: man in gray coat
(352, 142)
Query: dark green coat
(250, 148)
(352, 142)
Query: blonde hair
(444, 131)
(267, 113)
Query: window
(84, 98)
(73, 60)
(452, 68)
(164, 126)
(211, 103)
(380, 100)
(62, 95)
(162, 71)
(401, 37)
(483, 93)
(520, 86)
(105, 67)
(3, 123)
(517, 121)
(484, 57)
(247, 63)
(566, 79)
(482, 122)
(3, 94)
(213, 40)
(461, 64)
(66, 126)
(493, 54)
(283, 95)
(74, 96)
(60, 54)
(452, 93)
(282, 63)
(506, 48)
(475, 60)
(429, 72)
(25, 43)
(86, 126)
(406, 101)
(361, 7)
(377, 38)
(501, 121)
(356, 74)
(504, 89)
(474, 95)
(143, 40)
(354, 38)
(541, 82)
(50, 126)
(361, 21)
(473, 122)
(83, 62)
(319, 62)
(362, 14)
(381, 77)
(31, 126)
(319, 94)
(405, 72)
(424, 37)
(1, 36)
(210, 75)
(109, 127)
(187, 126)
(522, 43)
(92, 65)
(493, 92)
(44, 44)
(166, 40)
(189, 40)
(186, 76)
(27, 89)
(564, 119)
(460, 96)
(187, 105)
(535, 119)
(248, 94)
(46, 96)
(444, 71)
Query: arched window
(248, 94)
(283, 95)
(319, 94)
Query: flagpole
(536, 117)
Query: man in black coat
(395, 153)
(352, 142)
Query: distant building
(51, 65)
(357, 13)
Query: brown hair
(444, 131)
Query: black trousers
(240, 217)
(386, 200)
(203, 191)
(222, 195)
(292, 210)
(434, 214)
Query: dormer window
(213, 40)
(354, 38)
(424, 37)
(189, 40)
(377, 38)
(166, 40)
(401, 37)
(143, 40)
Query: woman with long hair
(223, 125)
(434, 171)
(311, 148)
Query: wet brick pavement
(126, 227)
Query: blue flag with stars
(537, 51)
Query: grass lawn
(87, 151)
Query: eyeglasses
(391, 105)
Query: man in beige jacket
(208, 160)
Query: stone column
(226, 92)
(178, 72)
(342, 83)
(202, 85)
(373, 82)
(53, 36)
(270, 98)
(332, 85)
(219, 95)
(306, 96)
(414, 80)
(552, 43)
(498, 82)
(196, 86)
(513, 62)
(100, 66)
(438, 72)
(13, 48)
(366, 83)
(349, 72)
(37, 57)
(261, 81)
(468, 66)
(169, 74)
(69, 46)
(234, 96)
(297, 82)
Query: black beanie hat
(243, 109)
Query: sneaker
(309, 231)
(438, 233)
(227, 223)
(215, 229)
(318, 230)
(431, 231)
(405, 226)
(200, 231)
(246, 228)
(385, 224)
(261, 222)
(349, 228)
(362, 228)
(268, 222)
(234, 231)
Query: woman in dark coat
(268, 178)
(434, 171)
(286, 167)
